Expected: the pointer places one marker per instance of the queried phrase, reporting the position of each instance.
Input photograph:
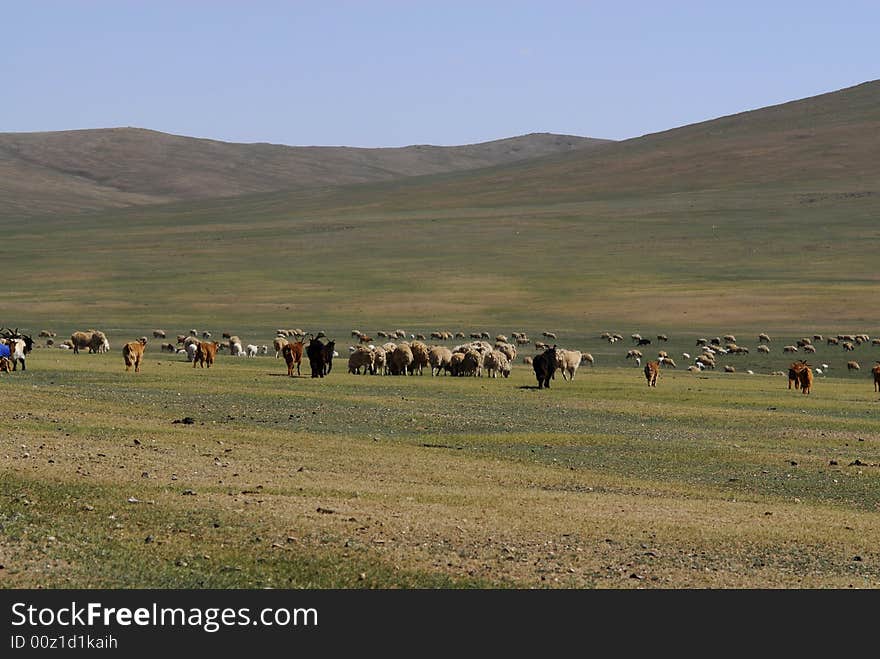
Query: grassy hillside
(78, 170)
(784, 240)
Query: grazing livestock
(421, 357)
(789, 349)
(652, 372)
(587, 358)
(191, 349)
(328, 353)
(832, 341)
(361, 358)
(729, 369)
(440, 358)
(496, 362)
(853, 366)
(763, 348)
(278, 343)
(876, 372)
(544, 366)
(205, 353)
(662, 337)
(5, 365)
(568, 362)
(251, 350)
(19, 346)
(806, 379)
(848, 346)
(93, 340)
(293, 353)
(644, 342)
(236, 349)
(133, 352)
(315, 354)
(763, 338)
(794, 373)
(158, 334)
(400, 359)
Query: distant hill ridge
(104, 168)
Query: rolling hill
(764, 219)
(71, 171)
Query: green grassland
(709, 480)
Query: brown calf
(293, 354)
(652, 371)
(205, 353)
(133, 352)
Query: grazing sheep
(730, 338)
(361, 358)
(853, 366)
(568, 362)
(667, 361)
(168, 347)
(251, 350)
(278, 344)
(400, 359)
(832, 341)
(685, 355)
(236, 349)
(662, 337)
(527, 360)
(763, 348)
(500, 338)
(439, 357)
(587, 358)
(817, 337)
(496, 362)
(803, 342)
(789, 349)
(695, 369)
(158, 334)
(508, 349)
(763, 338)
(420, 357)
(633, 354)
(549, 335)
(847, 346)
(729, 369)
(455, 363)
(809, 348)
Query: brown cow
(205, 353)
(876, 372)
(293, 354)
(652, 371)
(806, 378)
(133, 352)
(794, 371)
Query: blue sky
(395, 73)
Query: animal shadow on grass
(532, 387)
(285, 375)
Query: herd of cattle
(413, 355)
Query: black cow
(545, 366)
(315, 353)
(327, 356)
